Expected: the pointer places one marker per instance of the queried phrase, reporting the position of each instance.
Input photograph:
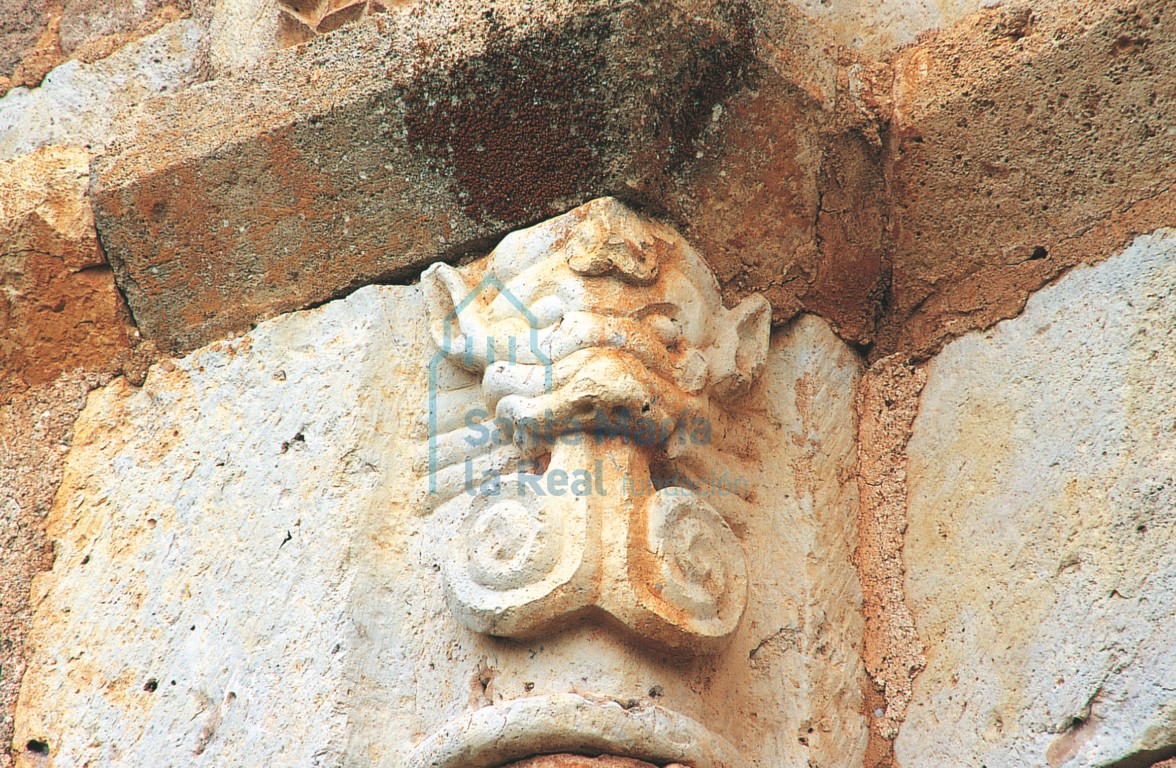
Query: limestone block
(50, 187)
(878, 26)
(36, 427)
(248, 526)
(23, 23)
(432, 130)
(59, 308)
(242, 33)
(85, 20)
(198, 610)
(79, 104)
(326, 15)
(1041, 568)
(997, 120)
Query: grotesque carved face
(622, 312)
(605, 354)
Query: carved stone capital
(598, 359)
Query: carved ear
(742, 347)
(444, 288)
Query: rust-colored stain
(62, 311)
(887, 402)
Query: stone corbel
(600, 357)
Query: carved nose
(592, 535)
(609, 384)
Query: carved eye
(664, 327)
(662, 320)
(548, 310)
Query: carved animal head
(616, 312)
(599, 312)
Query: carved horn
(738, 355)
(460, 334)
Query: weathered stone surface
(35, 430)
(23, 21)
(324, 16)
(22, 25)
(1042, 504)
(38, 35)
(813, 177)
(78, 103)
(83, 21)
(876, 26)
(1021, 144)
(790, 183)
(601, 345)
(888, 400)
(577, 761)
(251, 514)
(199, 671)
(439, 129)
(63, 330)
(59, 308)
(242, 33)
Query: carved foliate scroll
(587, 370)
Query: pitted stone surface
(249, 515)
(78, 103)
(995, 122)
(59, 307)
(878, 26)
(197, 613)
(1042, 503)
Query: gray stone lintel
(366, 154)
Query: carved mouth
(584, 386)
(493, 736)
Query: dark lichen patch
(718, 65)
(520, 128)
(540, 122)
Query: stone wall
(957, 209)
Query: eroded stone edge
(523, 728)
(887, 403)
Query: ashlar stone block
(250, 570)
